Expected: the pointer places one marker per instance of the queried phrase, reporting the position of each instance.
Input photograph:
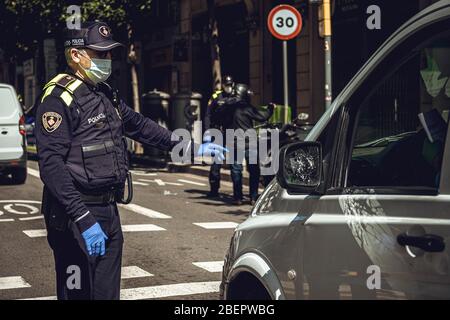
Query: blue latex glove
(209, 149)
(95, 238)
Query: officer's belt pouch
(99, 160)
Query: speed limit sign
(285, 22)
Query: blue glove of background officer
(95, 238)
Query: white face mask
(228, 89)
(99, 71)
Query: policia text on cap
(80, 130)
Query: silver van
(13, 156)
(361, 209)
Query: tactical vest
(98, 159)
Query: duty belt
(104, 198)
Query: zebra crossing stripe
(171, 290)
(132, 272)
(140, 183)
(37, 233)
(163, 291)
(144, 211)
(192, 182)
(210, 266)
(13, 283)
(141, 228)
(216, 225)
(32, 172)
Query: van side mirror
(300, 167)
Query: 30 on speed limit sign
(285, 22)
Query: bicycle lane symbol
(25, 208)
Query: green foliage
(30, 21)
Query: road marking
(217, 225)
(13, 283)
(210, 266)
(6, 220)
(141, 228)
(192, 182)
(164, 291)
(162, 183)
(32, 218)
(171, 290)
(41, 298)
(345, 292)
(132, 272)
(140, 183)
(19, 201)
(34, 173)
(36, 233)
(143, 174)
(9, 208)
(144, 211)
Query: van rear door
(11, 141)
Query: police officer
(244, 116)
(218, 117)
(81, 126)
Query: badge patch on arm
(51, 121)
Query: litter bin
(155, 105)
(185, 113)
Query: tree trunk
(215, 50)
(138, 149)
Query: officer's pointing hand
(95, 238)
(212, 150)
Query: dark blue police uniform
(83, 160)
(83, 163)
(219, 115)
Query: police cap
(93, 35)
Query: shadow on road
(224, 200)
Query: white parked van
(13, 156)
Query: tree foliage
(25, 23)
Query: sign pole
(328, 62)
(285, 23)
(285, 82)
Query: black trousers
(83, 277)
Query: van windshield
(8, 105)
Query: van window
(8, 103)
(400, 131)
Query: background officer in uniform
(244, 117)
(81, 126)
(218, 117)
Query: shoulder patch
(51, 121)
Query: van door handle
(4, 132)
(427, 242)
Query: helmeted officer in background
(244, 117)
(218, 117)
(81, 125)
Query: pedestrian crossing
(138, 281)
(13, 283)
(39, 233)
(138, 293)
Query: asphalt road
(167, 255)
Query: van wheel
(19, 175)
